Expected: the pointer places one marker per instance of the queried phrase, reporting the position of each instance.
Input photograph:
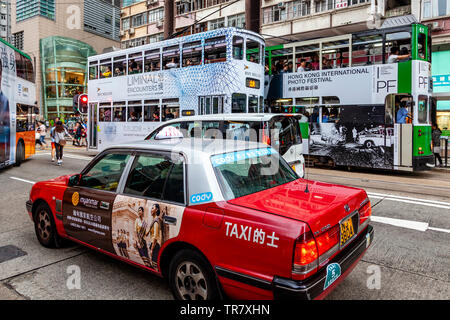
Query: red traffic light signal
(83, 103)
(84, 99)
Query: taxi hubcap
(191, 282)
(44, 226)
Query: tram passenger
(302, 67)
(395, 55)
(403, 114)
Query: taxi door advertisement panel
(140, 227)
(87, 216)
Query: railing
(444, 151)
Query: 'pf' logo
(75, 198)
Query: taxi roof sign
(169, 133)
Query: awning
(399, 21)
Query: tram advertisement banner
(7, 105)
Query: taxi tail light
(365, 211)
(328, 240)
(306, 255)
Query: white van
(284, 135)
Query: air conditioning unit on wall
(437, 25)
(159, 24)
(131, 31)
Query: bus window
(29, 70)
(215, 50)
(151, 111)
(170, 109)
(135, 63)
(105, 69)
(104, 114)
(119, 111)
(22, 118)
(134, 111)
(253, 51)
(238, 48)
(20, 66)
(93, 72)
(367, 49)
(422, 109)
(192, 54)
(120, 66)
(238, 103)
(253, 104)
(152, 60)
(171, 57)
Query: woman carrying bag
(60, 141)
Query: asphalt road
(409, 258)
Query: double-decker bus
(132, 91)
(367, 96)
(17, 106)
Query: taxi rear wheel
(191, 277)
(45, 227)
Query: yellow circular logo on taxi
(75, 198)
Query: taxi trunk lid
(321, 205)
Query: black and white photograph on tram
(352, 136)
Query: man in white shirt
(302, 67)
(43, 134)
(394, 57)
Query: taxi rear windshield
(245, 172)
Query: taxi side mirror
(74, 180)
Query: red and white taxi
(216, 218)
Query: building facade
(5, 20)
(90, 25)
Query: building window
(237, 20)
(216, 24)
(436, 8)
(126, 24)
(17, 40)
(26, 9)
(139, 20)
(156, 38)
(156, 15)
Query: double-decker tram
(367, 96)
(132, 91)
(17, 106)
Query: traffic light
(83, 103)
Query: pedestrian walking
(43, 133)
(52, 139)
(59, 134)
(37, 136)
(436, 136)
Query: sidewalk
(9, 294)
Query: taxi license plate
(347, 231)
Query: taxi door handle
(213, 217)
(170, 220)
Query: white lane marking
(421, 203)
(67, 155)
(408, 224)
(408, 198)
(23, 180)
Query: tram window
(310, 53)
(135, 63)
(253, 51)
(215, 50)
(422, 110)
(30, 70)
(421, 45)
(152, 60)
(330, 100)
(335, 54)
(152, 112)
(238, 48)
(93, 72)
(192, 54)
(238, 103)
(170, 109)
(280, 57)
(367, 50)
(105, 71)
(104, 114)
(243, 131)
(134, 111)
(400, 41)
(335, 114)
(120, 66)
(403, 110)
(119, 114)
(171, 57)
(253, 104)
